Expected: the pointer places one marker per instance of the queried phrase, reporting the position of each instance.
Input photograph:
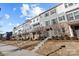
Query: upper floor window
(54, 21)
(47, 23)
(76, 3)
(61, 18)
(70, 4)
(66, 5)
(30, 27)
(70, 16)
(76, 14)
(53, 11)
(40, 16)
(46, 14)
(37, 19)
(33, 20)
(36, 24)
(14, 27)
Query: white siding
(60, 9)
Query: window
(40, 16)
(76, 14)
(37, 19)
(70, 16)
(54, 21)
(47, 23)
(33, 20)
(47, 14)
(14, 27)
(53, 11)
(76, 3)
(30, 27)
(70, 4)
(36, 24)
(61, 18)
(63, 30)
(66, 5)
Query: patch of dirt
(71, 48)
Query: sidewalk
(7, 50)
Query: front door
(76, 31)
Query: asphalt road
(8, 50)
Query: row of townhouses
(63, 19)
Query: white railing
(40, 44)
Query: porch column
(71, 31)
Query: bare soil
(53, 48)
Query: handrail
(63, 46)
(40, 44)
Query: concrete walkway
(8, 50)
